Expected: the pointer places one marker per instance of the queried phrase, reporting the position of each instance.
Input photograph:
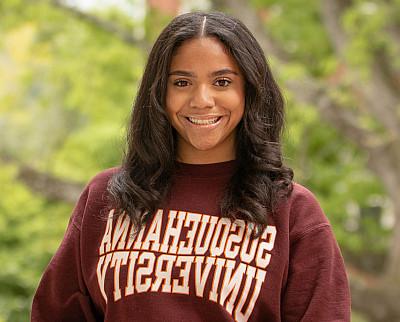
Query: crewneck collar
(209, 170)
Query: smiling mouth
(204, 121)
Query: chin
(205, 148)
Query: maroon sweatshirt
(189, 264)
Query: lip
(204, 118)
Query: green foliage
(153, 29)
(323, 160)
(102, 148)
(349, 194)
(368, 24)
(66, 90)
(297, 27)
(67, 78)
(27, 243)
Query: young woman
(202, 221)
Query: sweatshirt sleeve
(62, 294)
(317, 286)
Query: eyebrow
(220, 72)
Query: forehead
(202, 52)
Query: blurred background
(69, 71)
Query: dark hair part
(261, 178)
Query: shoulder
(302, 196)
(93, 199)
(100, 181)
(305, 212)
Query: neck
(188, 154)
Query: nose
(202, 97)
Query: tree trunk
(393, 263)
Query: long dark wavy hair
(260, 180)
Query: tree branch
(254, 23)
(382, 158)
(48, 186)
(102, 24)
(331, 11)
(379, 98)
(309, 91)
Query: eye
(181, 83)
(223, 82)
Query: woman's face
(205, 101)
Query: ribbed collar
(211, 170)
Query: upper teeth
(203, 122)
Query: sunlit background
(69, 71)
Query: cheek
(173, 102)
(238, 104)
(242, 104)
(172, 108)
(235, 99)
(170, 105)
